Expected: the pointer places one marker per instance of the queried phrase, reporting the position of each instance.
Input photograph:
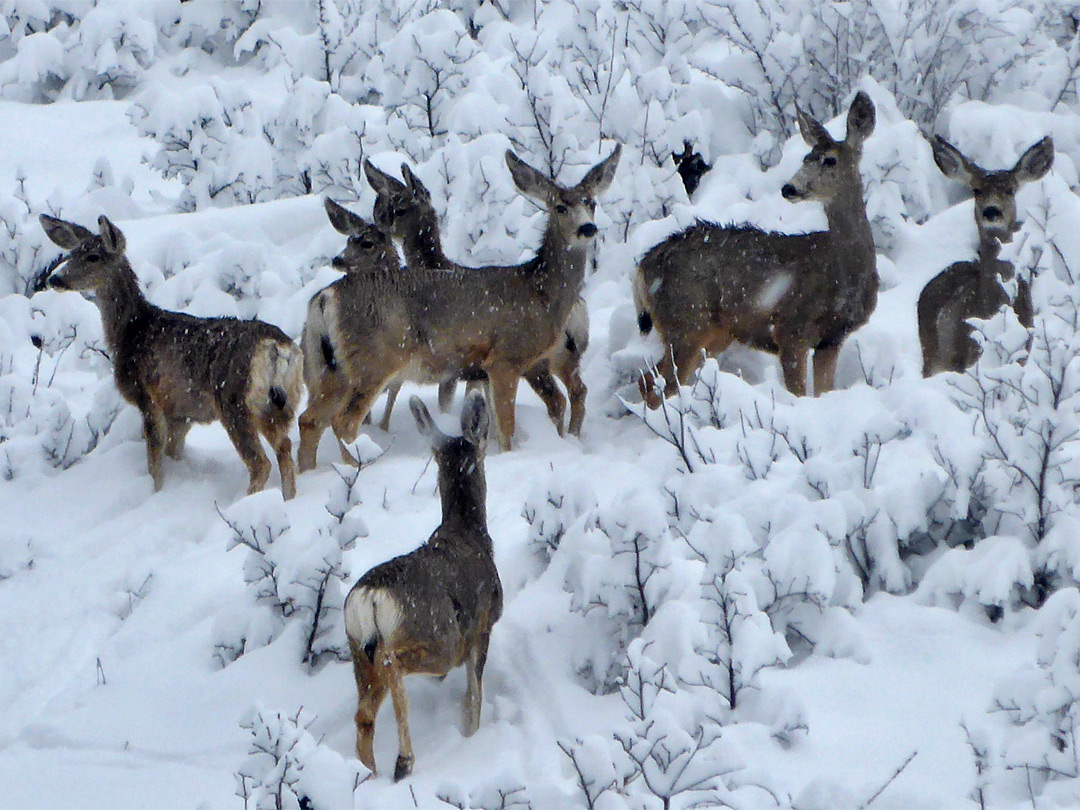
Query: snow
(821, 594)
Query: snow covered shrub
(288, 769)
(295, 576)
(555, 503)
(1023, 394)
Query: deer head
(367, 243)
(831, 165)
(91, 258)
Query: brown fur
(787, 294)
(440, 321)
(973, 289)
(431, 610)
(178, 369)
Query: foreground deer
(788, 294)
(973, 289)
(368, 254)
(405, 209)
(178, 369)
(433, 609)
(441, 323)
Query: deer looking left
(178, 369)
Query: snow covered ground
(137, 665)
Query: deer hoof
(403, 767)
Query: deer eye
(562, 209)
(93, 258)
(977, 191)
(828, 160)
(366, 244)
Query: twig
(889, 781)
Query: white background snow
(837, 590)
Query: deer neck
(423, 245)
(464, 498)
(992, 270)
(560, 265)
(849, 229)
(121, 303)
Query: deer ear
(528, 180)
(474, 419)
(424, 423)
(380, 181)
(951, 162)
(343, 220)
(64, 234)
(1035, 162)
(111, 237)
(812, 131)
(861, 118)
(414, 183)
(599, 177)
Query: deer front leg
(503, 384)
(313, 422)
(391, 397)
(447, 390)
(825, 369)
(539, 378)
(474, 691)
(155, 430)
(404, 765)
(793, 359)
(178, 431)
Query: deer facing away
(433, 609)
(789, 294)
(405, 209)
(368, 254)
(178, 369)
(446, 322)
(973, 289)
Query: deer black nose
(789, 192)
(337, 261)
(587, 230)
(991, 212)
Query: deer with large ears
(452, 321)
(973, 289)
(433, 609)
(405, 209)
(178, 369)
(789, 294)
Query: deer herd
(433, 320)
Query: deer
(178, 369)
(973, 289)
(405, 209)
(368, 252)
(433, 609)
(788, 294)
(441, 322)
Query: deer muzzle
(587, 231)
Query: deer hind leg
(677, 367)
(503, 383)
(474, 678)
(825, 368)
(570, 373)
(539, 378)
(177, 431)
(404, 765)
(793, 361)
(313, 422)
(276, 431)
(391, 397)
(447, 390)
(371, 690)
(241, 428)
(346, 422)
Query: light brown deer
(441, 323)
(406, 210)
(788, 294)
(368, 252)
(431, 610)
(974, 289)
(178, 369)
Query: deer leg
(677, 366)
(241, 429)
(403, 766)
(447, 390)
(313, 422)
(371, 689)
(177, 431)
(277, 433)
(503, 384)
(346, 422)
(155, 429)
(825, 369)
(391, 397)
(474, 677)
(793, 363)
(539, 378)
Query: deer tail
(372, 615)
(644, 317)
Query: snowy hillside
(744, 599)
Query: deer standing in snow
(433, 609)
(405, 209)
(789, 294)
(973, 289)
(178, 369)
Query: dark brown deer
(974, 289)
(788, 294)
(368, 252)
(178, 369)
(441, 323)
(431, 610)
(406, 209)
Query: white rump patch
(772, 292)
(371, 613)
